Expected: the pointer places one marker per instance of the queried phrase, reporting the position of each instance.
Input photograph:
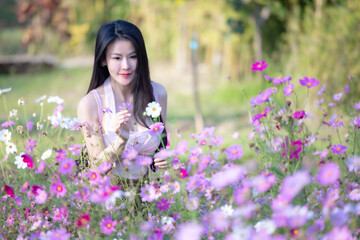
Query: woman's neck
(122, 93)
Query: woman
(120, 78)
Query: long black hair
(141, 86)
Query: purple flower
(337, 97)
(107, 225)
(193, 183)
(61, 154)
(322, 90)
(219, 221)
(41, 196)
(259, 66)
(148, 193)
(189, 230)
(242, 195)
(60, 234)
(163, 205)
(299, 114)
(130, 154)
(29, 146)
(355, 194)
(336, 123)
(328, 174)
(323, 154)
(318, 226)
(288, 90)
(338, 233)
(234, 152)
(309, 82)
(338, 149)
(156, 128)
(346, 89)
(281, 79)
(263, 97)
(66, 166)
(107, 110)
(7, 124)
(293, 149)
(229, 176)
(41, 167)
(353, 163)
(29, 125)
(293, 184)
(144, 160)
(125, 106)
(181, 148)
(357, 106)
(75, 149)
(204, 162)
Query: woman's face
(121, 60)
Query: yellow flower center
(59, 188)
(308, 84)
(109, 225)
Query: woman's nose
(125, 63)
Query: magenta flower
(66, 166)
(58, 189)
(29, 125)
(293, 149)
(83, 220)
(281, 79)
(259, 66)
(336, 123)
(234, 152)
(156, 128)
(28, 160)
(328, 174)
(183, 173)
(338, 149)
(309, 82)
(9, 190)
(107, 225)
(7, 124)
(357, 106)
(163, 205)
(61, 154)
(263, 97)
(288, 90)
(299, 114)
(204, 162)
(262, 114)
(29, 146)
(125, 106)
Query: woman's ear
(103, 63)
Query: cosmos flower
(338, 149)
(328, 174)
(125, 106)
(30, 145)
(153, 110)
(83, 220)
(156, 128)
(308, 82)
(163, 205)
(259, 66)
(288, 90)
(234, 152)
(66, 166)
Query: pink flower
(293, 149)
(189, 230)
(60, 234)
(7, 124)
(163, 205)
(229, 176)
(262, 114)
(181, 148)
(41, 167)
(66, 166)
(125, 106)
(328, 174)
(293, 184)
(338, 149)
(9, 190)
(234, 152)
(107, 225)
(75, 149)
(259, 66)
(309, 82)
(29, 146)
(156, 128)
(130, 154)
(58, 189)
(288, 90)
(144, 160)
(148, 193)
(357, 106)
(41, 196)
(263, 97)
(83, 220)
(337, 97)
(322, 90)
(28, 160)
(61, 154)
(355, 194)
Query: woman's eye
(133, 57)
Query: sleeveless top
(142, 141)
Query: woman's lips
(125, 75)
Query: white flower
(20, 164)
(266, 225)
(153, 109)
(64, 122)
(13, 113)
(5, 90)
(39, 125)
(46, 154)
(21, 101)
(34, 114)
(227, 210)
(40, 99)
(167, 220)
(55, 99)
(5, 135)
(10, 148)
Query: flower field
(302, 183)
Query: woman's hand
(161, 163)
(120, 120)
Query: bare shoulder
(159, 89)
(87, 109)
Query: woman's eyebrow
(119, 54)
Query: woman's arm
(87, 111)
